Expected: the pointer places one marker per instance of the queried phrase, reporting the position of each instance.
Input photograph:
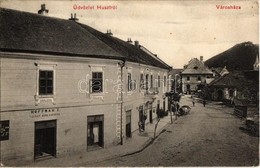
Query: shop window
(4, 130)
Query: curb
(144, 146)
(147, 143)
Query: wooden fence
(240, 111)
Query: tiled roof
(129, 51)
(227, 80)
(196, 67)
(23, 31)
(34, 33)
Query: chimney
(137, 43)
(109, 32)
(73, 18)
(43, 10)
(201, 58)
(129, 40)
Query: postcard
(89, 83)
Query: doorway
(164, 104)
(188, 89)
(128, 124)
(220, 95)
(45, 139)
(95, 132)
(151, 116)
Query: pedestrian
(177, 107)
(140, 124)
(193, 102)
(174, 110)
(204, 102)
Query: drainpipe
(121, 64)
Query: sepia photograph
(129, 83)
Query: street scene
(208, 136)
(129, 83)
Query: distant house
(194, 75)
(224, 87)
(236, 84)
(68, 88)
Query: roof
(196, 67)
(227, 80)
(224, 71)
(131, 52)
(175, 71)
(34, 33)
(23, 31)
(209, 80)
(217, 70)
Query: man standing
(193, 102)
(204, 102)
(177, 107)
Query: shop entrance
(151, 115)
(45, 139)
(95, 132)
(128, 124)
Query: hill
(240, 57)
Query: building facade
(68, 88)
(194, 76)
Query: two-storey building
(194, 75)
(67, 88)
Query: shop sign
(44, 112)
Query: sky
(176, 30)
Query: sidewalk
(132, 145)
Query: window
(188, 78)
(141, 81)
(199, 78)
(151, 81)
(146, 82)
(97, 82)
(159, 81)
(129, 82)
(4, 130)
(164, 81)
(45, 82)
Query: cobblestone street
(208, 136)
